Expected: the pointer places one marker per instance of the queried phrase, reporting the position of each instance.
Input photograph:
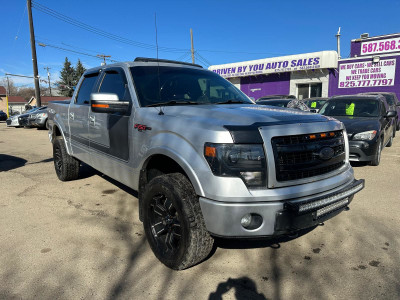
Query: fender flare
(181, 161)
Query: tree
(13, 89)
(79, 70)
(66, 81)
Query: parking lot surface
(83, 240)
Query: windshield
(350, 107)
(314, 104)
(178, 86)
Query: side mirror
(107, 103)
(391, 114)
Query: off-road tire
(66, 166)
(172, 195)
(377, 157)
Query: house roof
(3, 90)
(47, 99)
(16, 99)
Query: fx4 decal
(141, 127)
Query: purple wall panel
(334, 80)
(263, 85)
(355, 49)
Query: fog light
(246, 220)
(251, 221)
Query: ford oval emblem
(326, 153)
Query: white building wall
(235, 81)
(317, 76)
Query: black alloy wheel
(173, 222)
(66, 166)
(165, 225)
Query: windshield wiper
(231, 102)
(173, 102)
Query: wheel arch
(166, 162)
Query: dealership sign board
(380, 46)
(307, 61)
(367, 74)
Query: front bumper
(280, 217)
(38, 122)
(362, 150)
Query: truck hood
(356, 124)
(242, 114)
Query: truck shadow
(9, 162)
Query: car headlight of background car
(365, 136)
(246, 161)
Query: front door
(108, 132)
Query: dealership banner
(367, 74)
(307, 61)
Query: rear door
(78, 118)
(108, 132)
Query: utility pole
(192, 49)
(34, 58)
(104, 58)
(48, 77)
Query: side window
(86, 89)
(115, 83)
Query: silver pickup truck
(205, 159)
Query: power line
(74, 22)
(20, 23)
(70, 50)
(74, 47)
(202, 58)
(46, 10)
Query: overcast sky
(224, 31)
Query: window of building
(308, 90)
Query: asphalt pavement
(83, 240)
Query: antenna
(158, 66)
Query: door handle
(92, 119)
(71, 115)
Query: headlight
(42, 115)
(366, 135)
(235, 160)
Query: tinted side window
(115, 83)
(85, 90)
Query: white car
(12, 121)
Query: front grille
(308, 155)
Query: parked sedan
(39, 118)
(3, 116)
(393, 101)
(370, 126)
(13, 121)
